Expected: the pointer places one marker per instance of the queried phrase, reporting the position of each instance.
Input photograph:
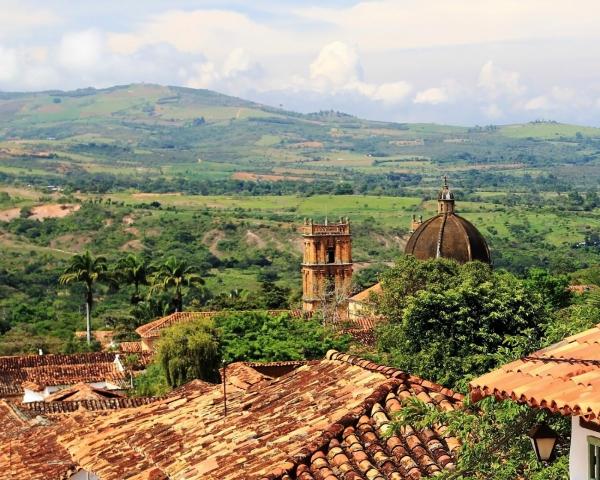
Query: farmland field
(224, 184)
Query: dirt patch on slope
(254, 240)
(42, 212)
(266, 177)
(132, 246)
(211, 240)
(10, 214)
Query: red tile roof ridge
(277, 364)
(70, 406)
(570, 360)
(21, 361)
(371, 405)
(395, 379)
(153, 328)
(390, 372)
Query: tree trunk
(88, 312)
(88, 323)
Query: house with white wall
(563, 378)
(33, 378)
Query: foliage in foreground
(194, 350)
(151, 383)
(257, 336)
(494, 438)
(190, 351)
(450, 321)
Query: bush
(190, 351)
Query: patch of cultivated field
(547, 130)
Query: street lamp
(543, 439)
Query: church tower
(327, 264)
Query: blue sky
(447, 61)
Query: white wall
(83, 475)
(31, 396)
(578, 455)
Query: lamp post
(544, 440)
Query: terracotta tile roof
(27, 451)
(39, 371)
(153, 329)
(324, 420)
(82, 391)
(365, 295)
(564, 377)
(242, 376)
(130, 347)
(68, 406)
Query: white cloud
(493, 111)
(8, 64)
(17, 17)
(380, 24)
(239, 62)
(537, 103)
(563, 94)
(432, 96)
(499, 82)
(337, 69)
(204, 75)
(336, 66)
(210, 32)
(82, 50)
(392, 92)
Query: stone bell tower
(327, 264)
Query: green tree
(189, 351)
(151, 383)
(461, 326)
(258, 336)
(87, 269)
(493, 435)
(174, 275)
(274, 296)
(133, 270)
(553, 288)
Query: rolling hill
(158, 138)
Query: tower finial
(446, 181)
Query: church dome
(448, 235)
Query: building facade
(326, 264)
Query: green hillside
(224, 183)
(156, 138)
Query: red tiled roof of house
(564, 377)
(153, 329)
(365, 295)
(82, 391)
(130, 347)
(67, 406)
(57, 369)
(21, 453)
(330, 412)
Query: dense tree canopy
(258, 336)
(448, 322)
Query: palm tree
(85, 268)
(133, 270)
(174, 274)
